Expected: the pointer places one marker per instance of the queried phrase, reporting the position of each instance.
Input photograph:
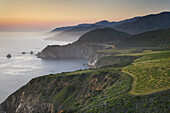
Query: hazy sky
(48, 14)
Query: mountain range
(132, 26)
(146, 23)
(100, 23)
(72, 33)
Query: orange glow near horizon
(25, 24)
(48, 14)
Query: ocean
(21, 68)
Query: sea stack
(8, 56)
(31, 52)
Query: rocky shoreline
(85, 50)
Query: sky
(30, 15)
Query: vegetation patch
(115, 61)
(152, 103)
(151, 73)
(121, 51)
(145, 52)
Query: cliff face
(101, 59)
(96, 57)
(72, 50)
(110, 57)
(66, 91)
(22, 102)
(95, 90)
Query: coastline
(20, 68)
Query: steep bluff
(94, 90)
(108, 57)
(65, 91)
(96, 57)
(84, 50)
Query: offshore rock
(8, 56)
(31, 52)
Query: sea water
(21, 68)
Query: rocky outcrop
(1, 110)
(108, 57)
(85, 50)
(20, 102)
(31, 52)
(8, 56)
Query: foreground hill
(146, 23)
(145, 88)
(158, 38)
(105, 35)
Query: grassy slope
(146, 100)
(111, 91)
(151, 73)
(114, 91)
(151, 69)
(115, 61)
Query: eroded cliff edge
(64, 91)
(85, 50)
(94, 90)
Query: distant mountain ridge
(60, 29)
(72, 33)
(146, 23)
(132, 26)
(103, 23)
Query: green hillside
(130, 82)
(151, 72)
(158, 38)
(105, 35)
